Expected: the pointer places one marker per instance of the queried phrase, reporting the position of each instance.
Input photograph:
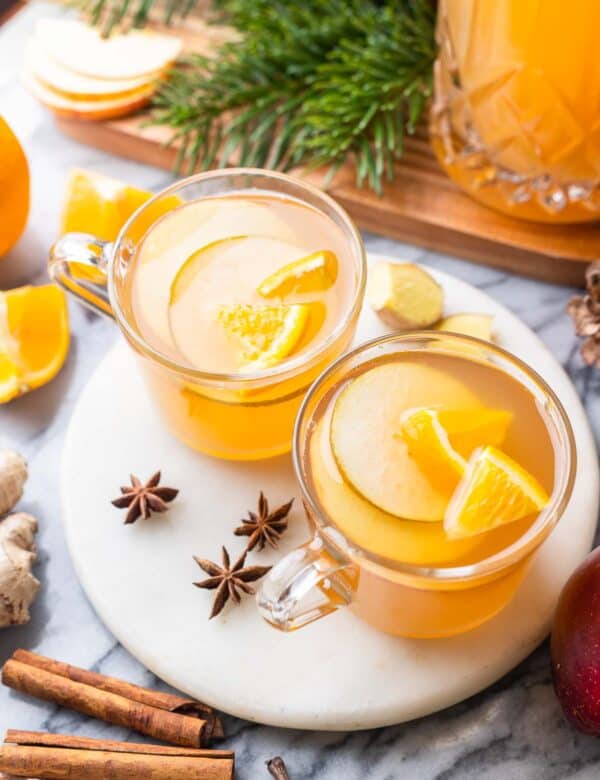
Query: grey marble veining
(512, 731)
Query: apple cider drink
(428, 463)
(255, 293)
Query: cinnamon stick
(42, 678)
(27, 754)
(164, 701)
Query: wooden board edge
(113, 138)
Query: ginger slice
(467, 324)
(404, 296)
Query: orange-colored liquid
(516, 119)
(234, 419)
(396, 602)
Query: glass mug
(225, 415)
(515, 116)
(330, 571)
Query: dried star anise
(277, 768)
(141, 500)
(585, 312)
(264, 527)
(229, 580)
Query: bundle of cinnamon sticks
(31, 754)
(188, 724)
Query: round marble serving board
(336, 674)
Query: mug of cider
(235, 288)
(432, 466)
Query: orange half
(34, 338)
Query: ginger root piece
(404, 296)
(13, 475)
(477, 325)
(18, 586)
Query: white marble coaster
(336, 674)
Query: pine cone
(585, 313)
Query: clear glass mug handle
(78, 263)
(309, 583)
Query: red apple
(576, 646)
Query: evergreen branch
(108, 14)
(312, 82)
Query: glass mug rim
(289, 367)
(513, 553)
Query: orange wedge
(468, 429)
(266, 334)
(34, 338)
(313, 273)
(98, 205)
(494, 491)
(428, 444)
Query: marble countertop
(512, 731)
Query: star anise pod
(264, 527)
(141, 500)
(277, 768)
(229, 580)
(585, 312)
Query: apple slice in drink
(374, 461)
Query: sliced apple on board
(76, 86)
(91, 110)
(404, 296)
(372, 459)
(80, 48)
(477, 325)
(78, 74)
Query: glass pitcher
(516, 114)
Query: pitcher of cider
(516, 115)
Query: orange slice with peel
(314, 273)
(266, 334)
(468, 429)
(495, 490)
(34, 338)
(439, 440)
(97, 204)
(428, 444)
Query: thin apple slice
(190, 268)
(76, 86)
(421, 544)
(376, 463)
(477, 325)
(81, 48)
(91, 110)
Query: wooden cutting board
(422, 206)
